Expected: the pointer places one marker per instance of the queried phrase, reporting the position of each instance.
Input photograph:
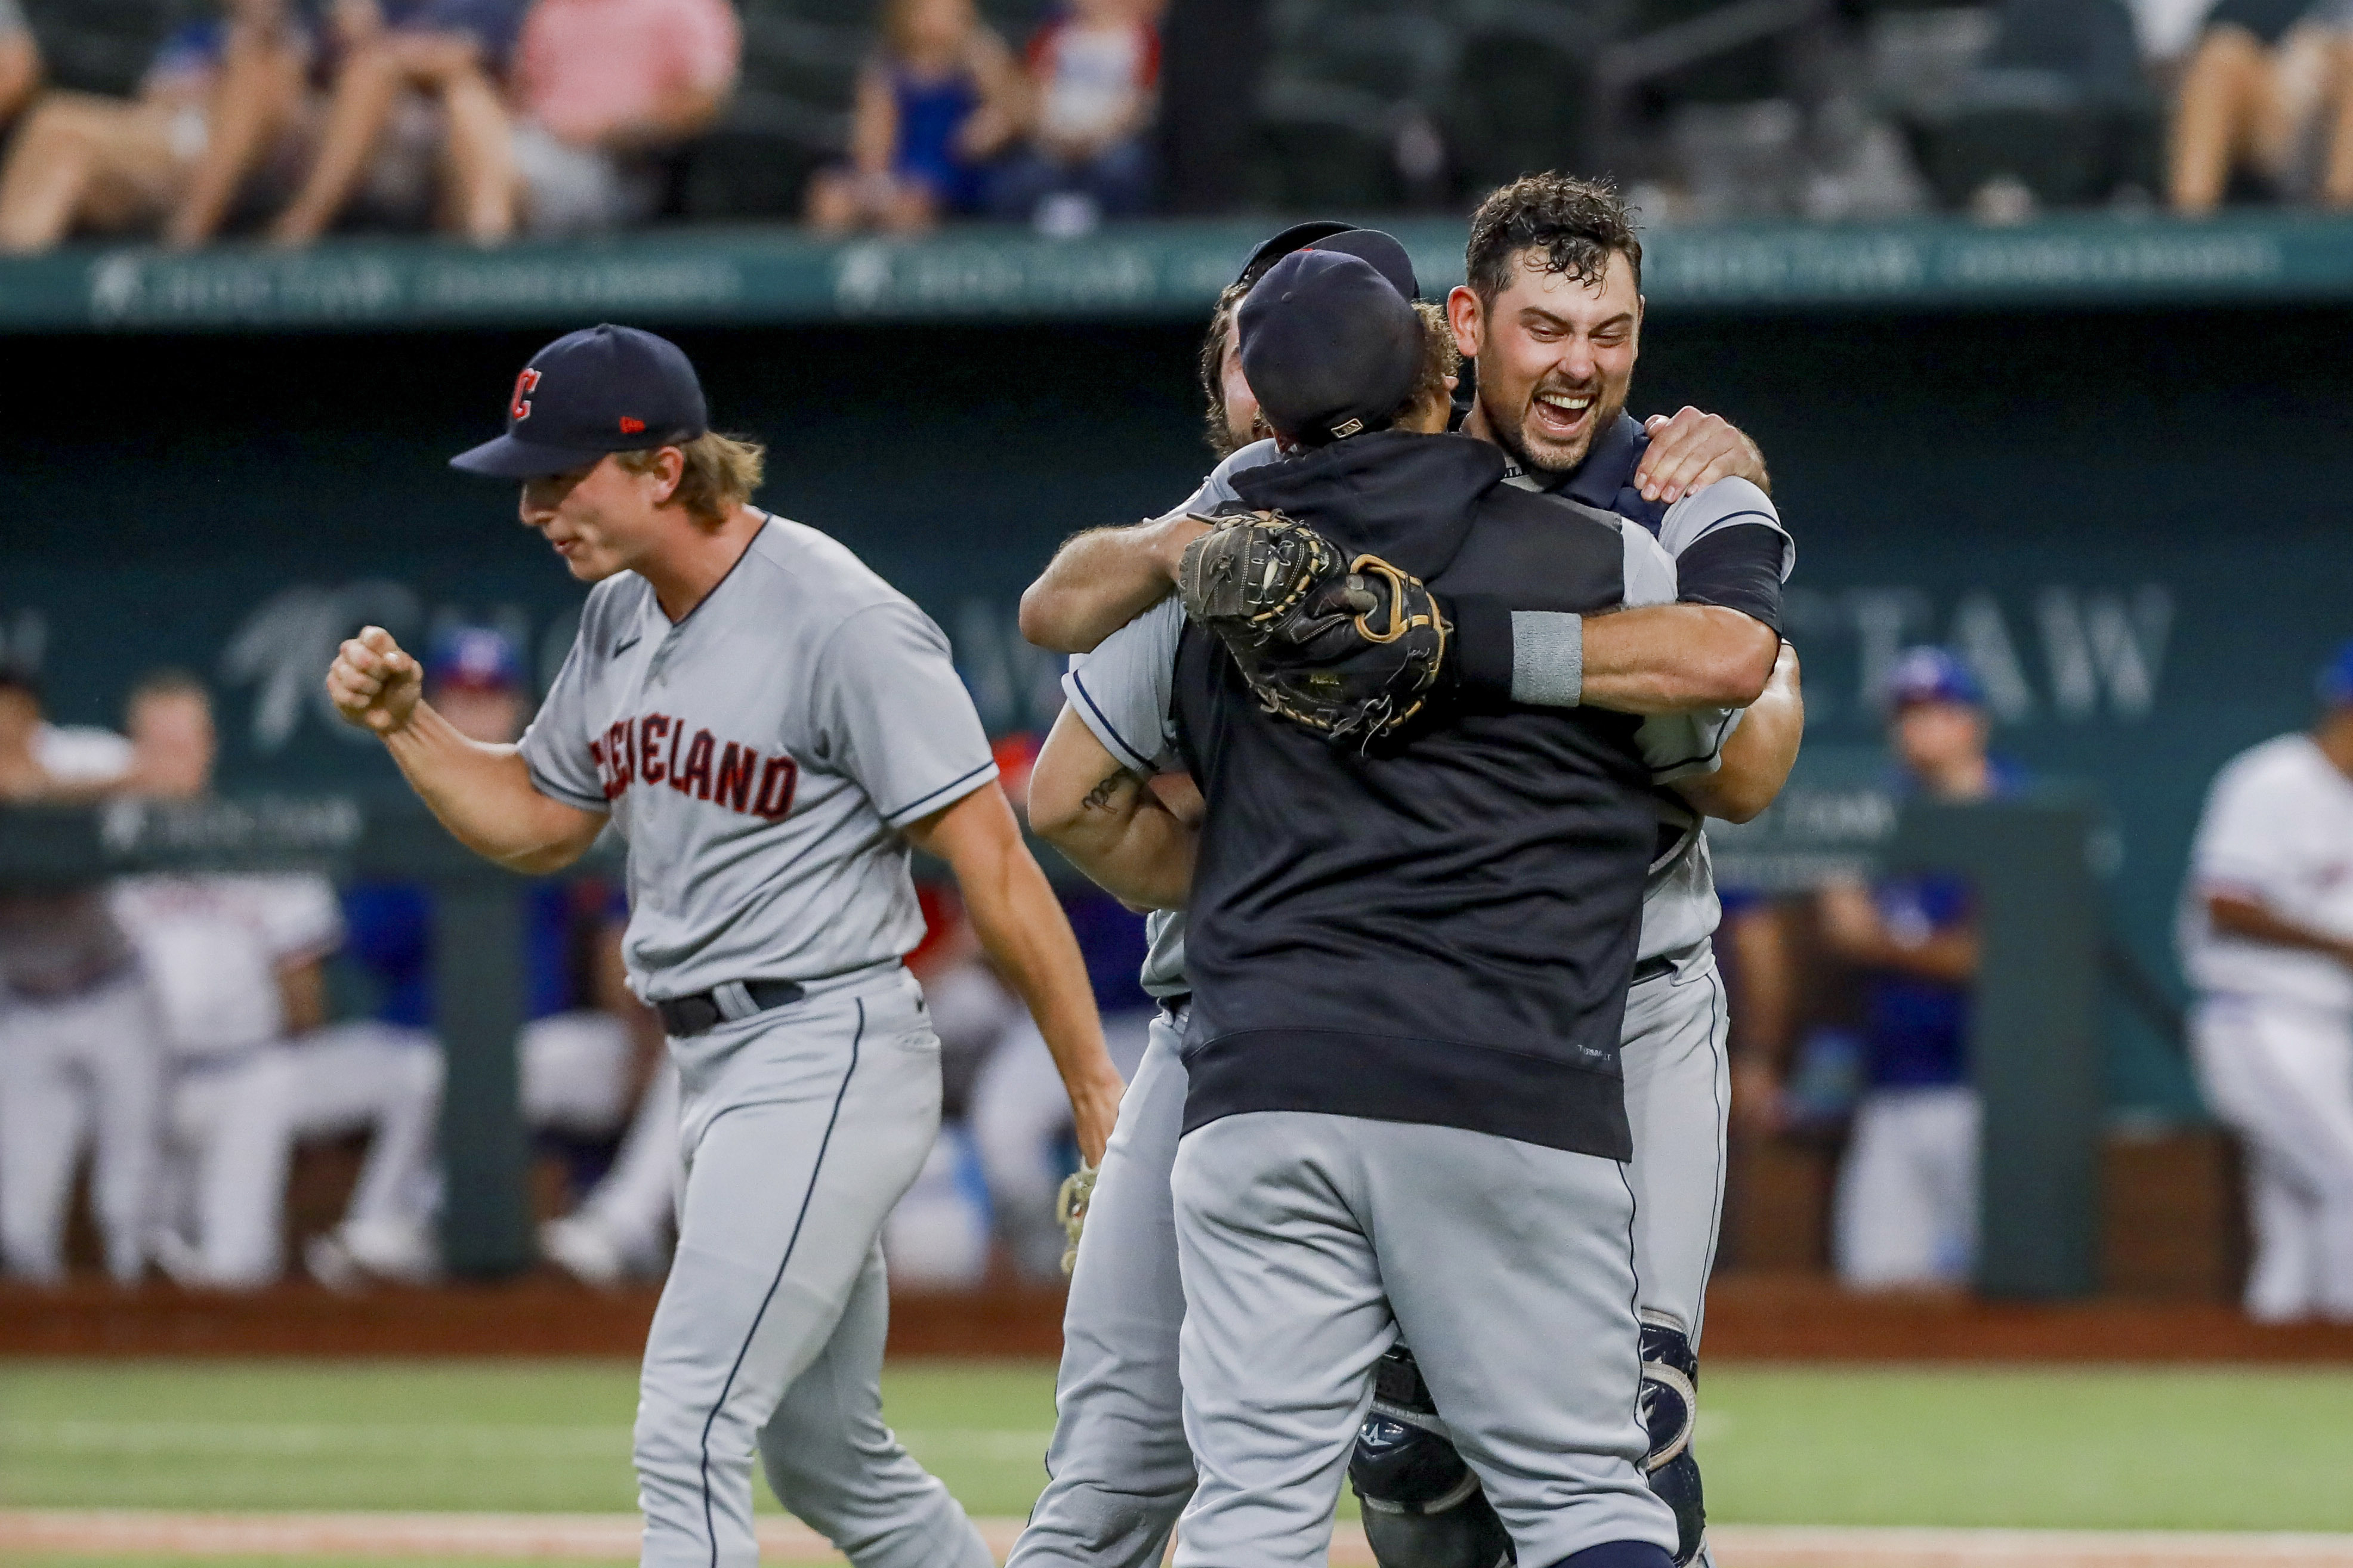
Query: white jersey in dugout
(212, 948)
(2278, 827)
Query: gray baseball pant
(1678, 1097)
(800, 1128)
(1121, 1469)
(1120, 1465)
(1309, 1243)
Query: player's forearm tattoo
(1100, 798)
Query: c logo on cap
(525, 383)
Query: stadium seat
(789, 117)
(104, 45)
(1347, 114)
(2057, 103)
(1522, 102)
(756, 164)
(1324, 147)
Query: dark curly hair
(1575, 223)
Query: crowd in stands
(190, 1035)
(287, 119)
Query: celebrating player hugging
(1392, 969)
(771, 726)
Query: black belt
(706, 1010)
(1651, 968)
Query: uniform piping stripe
(709, 1528)
(1719, 1022)
(1714, 749)
(1634, 1302)
(922, 800)
(1107, 726)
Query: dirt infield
(1751, 1317)
(614, 1537)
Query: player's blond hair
(721, 473)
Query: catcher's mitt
(1070, 1211)
(1351, 652)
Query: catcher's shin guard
(1670, 1405)
(1422, 1505)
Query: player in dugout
(1905, 1212)
(2266, 933)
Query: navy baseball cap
(1330, 347)
(1387, 257)
(474, 659)
(2334, 684)
(605, 389)
(1931, 675)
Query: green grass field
(2111, 1448)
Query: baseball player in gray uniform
(771, 726)
(1103, 791)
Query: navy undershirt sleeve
(1738, 567)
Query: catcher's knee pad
(1466, 1536)
(1670, 1409)
(1422, 1505)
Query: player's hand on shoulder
(373, 682)
(1692, 450)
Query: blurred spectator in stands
(77, 1060)
(603, 90)
(20, 61)
(1906, 1210)
(2266, 933)
(1094, 75)
(2267, 95)
(934, 106)
(219, 113)
(395, 54)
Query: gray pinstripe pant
(800, 1130)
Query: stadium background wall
(2134, 519)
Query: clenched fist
(372, 683)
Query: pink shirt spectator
(589, 67)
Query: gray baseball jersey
(760, 756)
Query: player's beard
(1538, 455)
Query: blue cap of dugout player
(474, 659)
(1330, 347)
(604, 389)
(1931, 675)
